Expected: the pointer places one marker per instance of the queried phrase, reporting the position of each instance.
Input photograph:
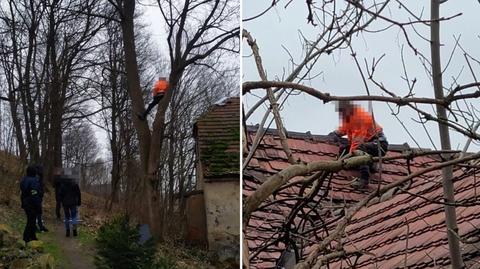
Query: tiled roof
(400, 229)
(217, 133)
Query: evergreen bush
(118, 247)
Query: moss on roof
(218, 159)
(218, 139)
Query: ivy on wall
(217, 159)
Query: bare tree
(191, 38)
(80, 146)
(72, 68)
(47, 51)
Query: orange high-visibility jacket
(359, 128)
(161, 86)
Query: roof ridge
(325, 138)
(222, 102)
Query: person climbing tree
(30, 200)
(71, 198)
(41, 227)
(364, 137)
(158, 91)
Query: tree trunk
(447, 172)
(172, 158)
(18, 128)
(133, 84)
(114, 141)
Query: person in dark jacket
(71, 198)
(57, 183)
(30, 199)
(41, 226)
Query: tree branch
(271, 96)
(326, 97)
(316, 249)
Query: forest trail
(76, 255)
(71, 253)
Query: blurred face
(345, 110)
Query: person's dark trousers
(70, 218)
(156, 99)
(372, 148)
(38, 218)
(29, 232)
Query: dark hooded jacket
(69, 193)
(32, 191)
(57, 184)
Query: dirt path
(75, 255)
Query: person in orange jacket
(363, 136)
(159, 90)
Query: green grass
(86, 238)
(17, 222)
(51, 247)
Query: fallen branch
(274, 182)
(311, 260)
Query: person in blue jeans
(70, 197)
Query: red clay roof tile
(217, 135)
(381, 228)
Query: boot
(67, 234)
(360, 184)
(75, 232)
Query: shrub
(165, 262)
(11, 169)
(118, 247)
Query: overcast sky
(152, 18)
(279, 29)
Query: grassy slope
(14, 216)
(91, 213)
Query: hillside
(54, 250)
